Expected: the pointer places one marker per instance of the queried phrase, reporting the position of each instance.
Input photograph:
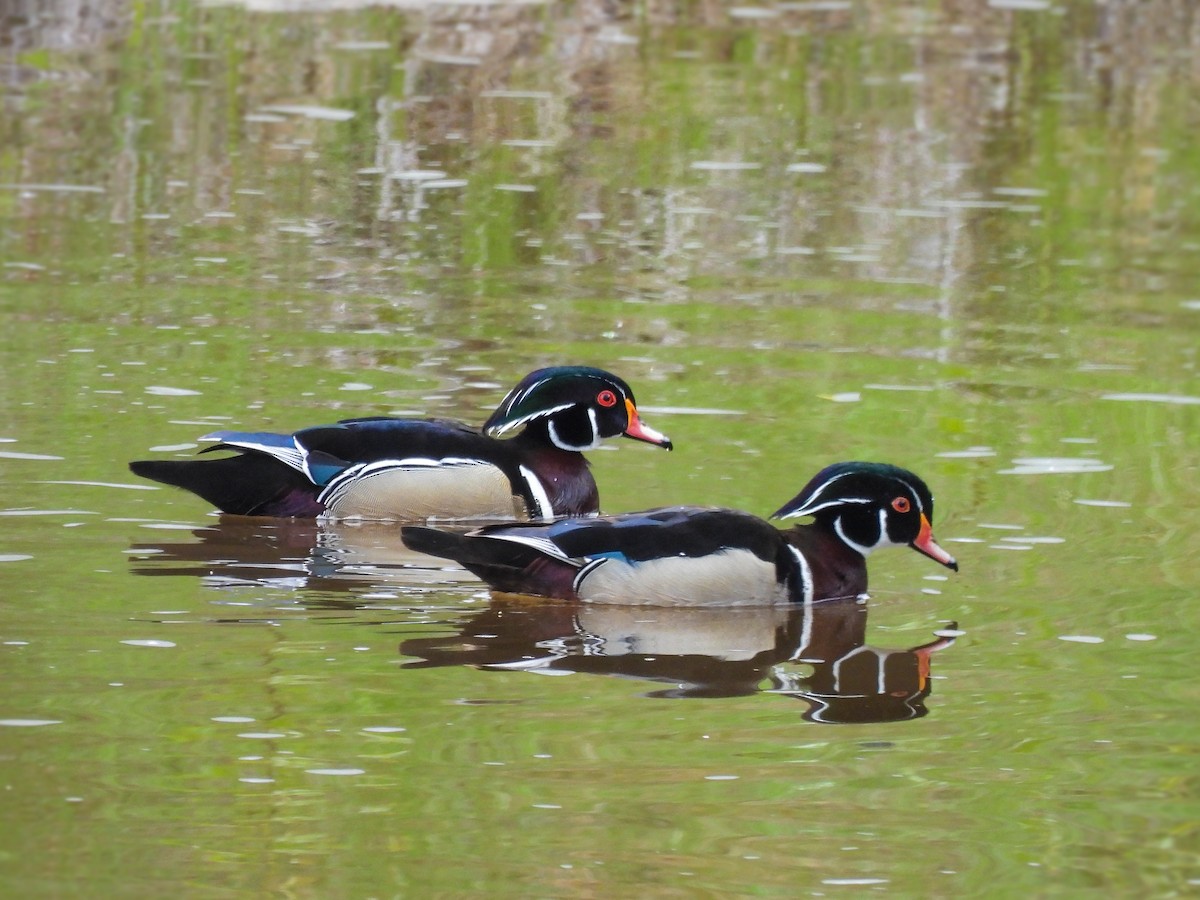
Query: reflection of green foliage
(657, 118)
(765, 319)
(41, 59)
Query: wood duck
(694, 555)
(420, 469)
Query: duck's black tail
(436, 542)
(248, 484)
(504, 565)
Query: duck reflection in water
(816, 652)
(334, 557)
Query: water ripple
(1056, 465)
(325, 113)
(1177, 399)
(107, 484)
(46, 512)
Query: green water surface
(963, 238)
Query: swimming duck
(420, 469)
(695, 555)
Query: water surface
(960, 238)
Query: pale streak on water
(344, 199)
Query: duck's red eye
(901, 505)
(606, 398)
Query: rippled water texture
(960, 237)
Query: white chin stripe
(544, 509)
(563, 445)
(916, 497)
(853, 545)
(813, 510)
(883, 532)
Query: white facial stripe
(812, 510)
(812, 506)
(526, 392)
(916, 495)
(541, 499)
(519, 398)
(837, 527)
(563, 445)
(881, 679)
(817, 493)
(808, 508)
(515, 423)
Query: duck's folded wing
(385, 437)
(675, 531)
(283, 447)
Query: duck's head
(578, 406)
(871, 505)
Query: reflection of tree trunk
(60, 24)
(875, 139)
(463, 53)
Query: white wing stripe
(541, 544)
(293, 457)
